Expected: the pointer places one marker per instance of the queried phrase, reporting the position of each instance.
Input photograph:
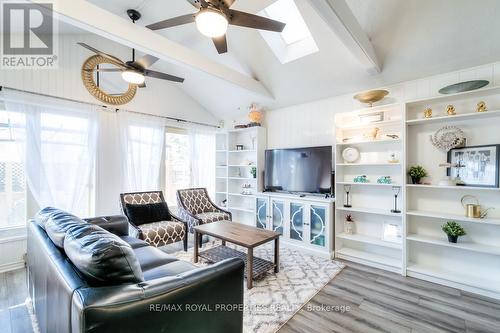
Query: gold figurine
(450, 110)
(481, 107)
(428, 113)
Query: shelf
(453, 97)
(348, 253)
(463, 188)
(243, 151)
(369, 240)
(469, 246)
(221, 151)
(242, 178)
(368, 164)
(224, 178)
(241, 209)
(465, 116)
(377, 123)
(221, 166)
(240, 165)
(367, 184)
(242, 195)
(455, 217)
(369, 211)
(484, 281)
(368, 142)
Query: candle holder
(396, 190)
(347, 190)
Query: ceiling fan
(133, 71)
(213, 18)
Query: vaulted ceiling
(411, 38)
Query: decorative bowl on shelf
(371, 96)
(464, 86)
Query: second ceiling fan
(213, 18)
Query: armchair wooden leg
(185, 241)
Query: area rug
(274, 299)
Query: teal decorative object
(384, 180)
(361, 179)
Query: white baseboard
(12, 266)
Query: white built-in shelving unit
(233, 170)
(371, 202)
(473, 264)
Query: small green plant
(253, 171)
(452, 228)
(417, 172)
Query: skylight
(286, 11)
(296, 40)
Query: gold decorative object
(255, 114)
(450, 110)
(428, 113)
(371, 96)
(481, 107)
(373, 134)
(88, 68)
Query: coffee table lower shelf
(260, 266)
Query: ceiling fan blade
(104, 70)
(220, 44)
(248, 20)
(114, 59)
(172, 22)
(162, 76)
(145, 61)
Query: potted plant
(253, 172)
(416, 173)
(453, 230)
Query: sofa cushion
(174, 268)
(102, 257)
(43, 215)
(150, 257)
(58, 223)
(135, 243)
(147, 213)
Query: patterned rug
(274, 299)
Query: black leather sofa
(91, 276)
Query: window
(177, 163)
(12, 179)
(295, 41)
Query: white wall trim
(12, 266)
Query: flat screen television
(303, 170)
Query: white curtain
(57, 140)
(141, 139)
(203, 159)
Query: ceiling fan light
(133, 77)
(211, 23)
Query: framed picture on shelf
(475, 165)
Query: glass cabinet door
(277, 215)
(317, 225)
(296, 221)
(261, 213)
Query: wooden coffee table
(242, 235)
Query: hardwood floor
(379, 301)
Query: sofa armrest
(116, 224)
(208, 299)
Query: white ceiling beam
(94, 19)
(339, 17)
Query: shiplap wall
(160, 98)
(312, 124)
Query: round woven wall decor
(88, 81)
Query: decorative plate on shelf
(463, 86)
(350, 155)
